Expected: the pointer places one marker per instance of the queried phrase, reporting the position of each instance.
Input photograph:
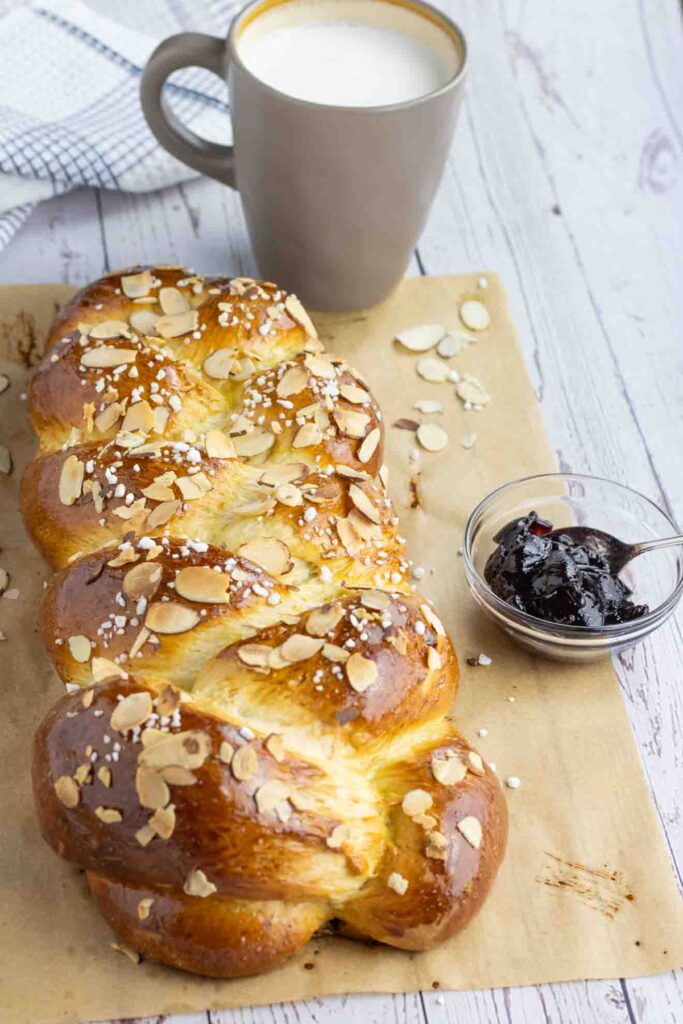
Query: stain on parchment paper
(19, 339)
(600, 888)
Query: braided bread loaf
(254, 740)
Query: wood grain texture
(566, 178)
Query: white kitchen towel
(70, 110)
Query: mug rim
(420, 7)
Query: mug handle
(188, 49)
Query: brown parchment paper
(586, 890)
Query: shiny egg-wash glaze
(259, 741)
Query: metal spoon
(616, 552)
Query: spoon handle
(655, 545)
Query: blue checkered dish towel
(70, 110)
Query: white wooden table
(567, 178)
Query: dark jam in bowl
(548, 574)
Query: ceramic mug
(334, 197)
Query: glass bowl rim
(556, 628)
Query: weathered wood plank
(199, 223)
(62, 241)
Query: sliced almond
(145, 835)
(452, 343)
(284, 473)
(189, 488)
(197, 884)
(256, 655)
(275, 746)
(363, 503)
(448, 768)
(337, 654)
(436, 846)
(422, 337)
(162, 513)
(219, 445)
(416, 801)
(433, 619)
(145, 908)
(80, 648)
(186, 749)
(142, 580)
(108, 417)
(144, 321)
(177, 324)
(299, 647)
(107, 356)
(173, 301)
(298, 313)
(270, 794)
(202, 584)
(471, 829)
(364, 528)
(104, 775)
(83, 774)
(288, 494)
(109, 815)
(244, 763)
(159, 492)
(152, 791)
(174, 775)
(219, 363)
(107, 329)
(67, 790)
(369, 446)
(161, 417)
(256, 442)
(139, 416)
(433, 659)
(132, 711)
(378, 600)
(432, 437)
(428, 405)
(351, 422)
(321, 621)
(475, 763)
(166, 617)
(271, 554)
(104, 668)
(292, 382)
(353, 394)
(127, 951)
(4, 383)
(432, 370)
(475, 315)
(136, 286)
(307, 435)
(349, 538)
(361, 672)
(226, 752)
(320, 366)
(71, 480)
(162, 822)
(469, 389)
(398, 883)
(260, 506)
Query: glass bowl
(571, 499)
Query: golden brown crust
(256, 742)
(222, 938)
